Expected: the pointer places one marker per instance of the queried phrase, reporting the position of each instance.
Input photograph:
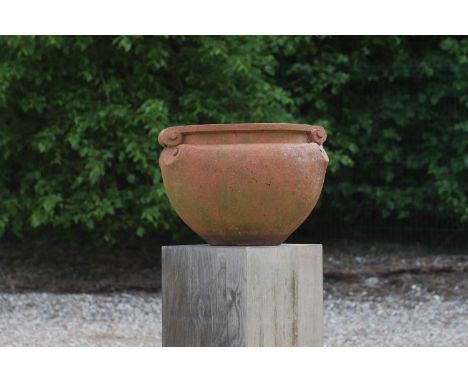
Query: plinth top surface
(240, 247)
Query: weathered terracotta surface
(243, 184)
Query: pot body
(246, 184)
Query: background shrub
(79, 117)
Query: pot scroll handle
(318, 135)
(170, 137)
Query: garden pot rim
(172, 136)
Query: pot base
(254, 241)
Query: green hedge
(79, 118)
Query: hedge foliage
(79, 118)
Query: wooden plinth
(242, 296)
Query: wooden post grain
(242, 296)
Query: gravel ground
(396, 321)
(47, 319)
(124, 319)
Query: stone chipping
(134, 319)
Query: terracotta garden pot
(243, 184)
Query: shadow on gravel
(362, 269)
(79, 270)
